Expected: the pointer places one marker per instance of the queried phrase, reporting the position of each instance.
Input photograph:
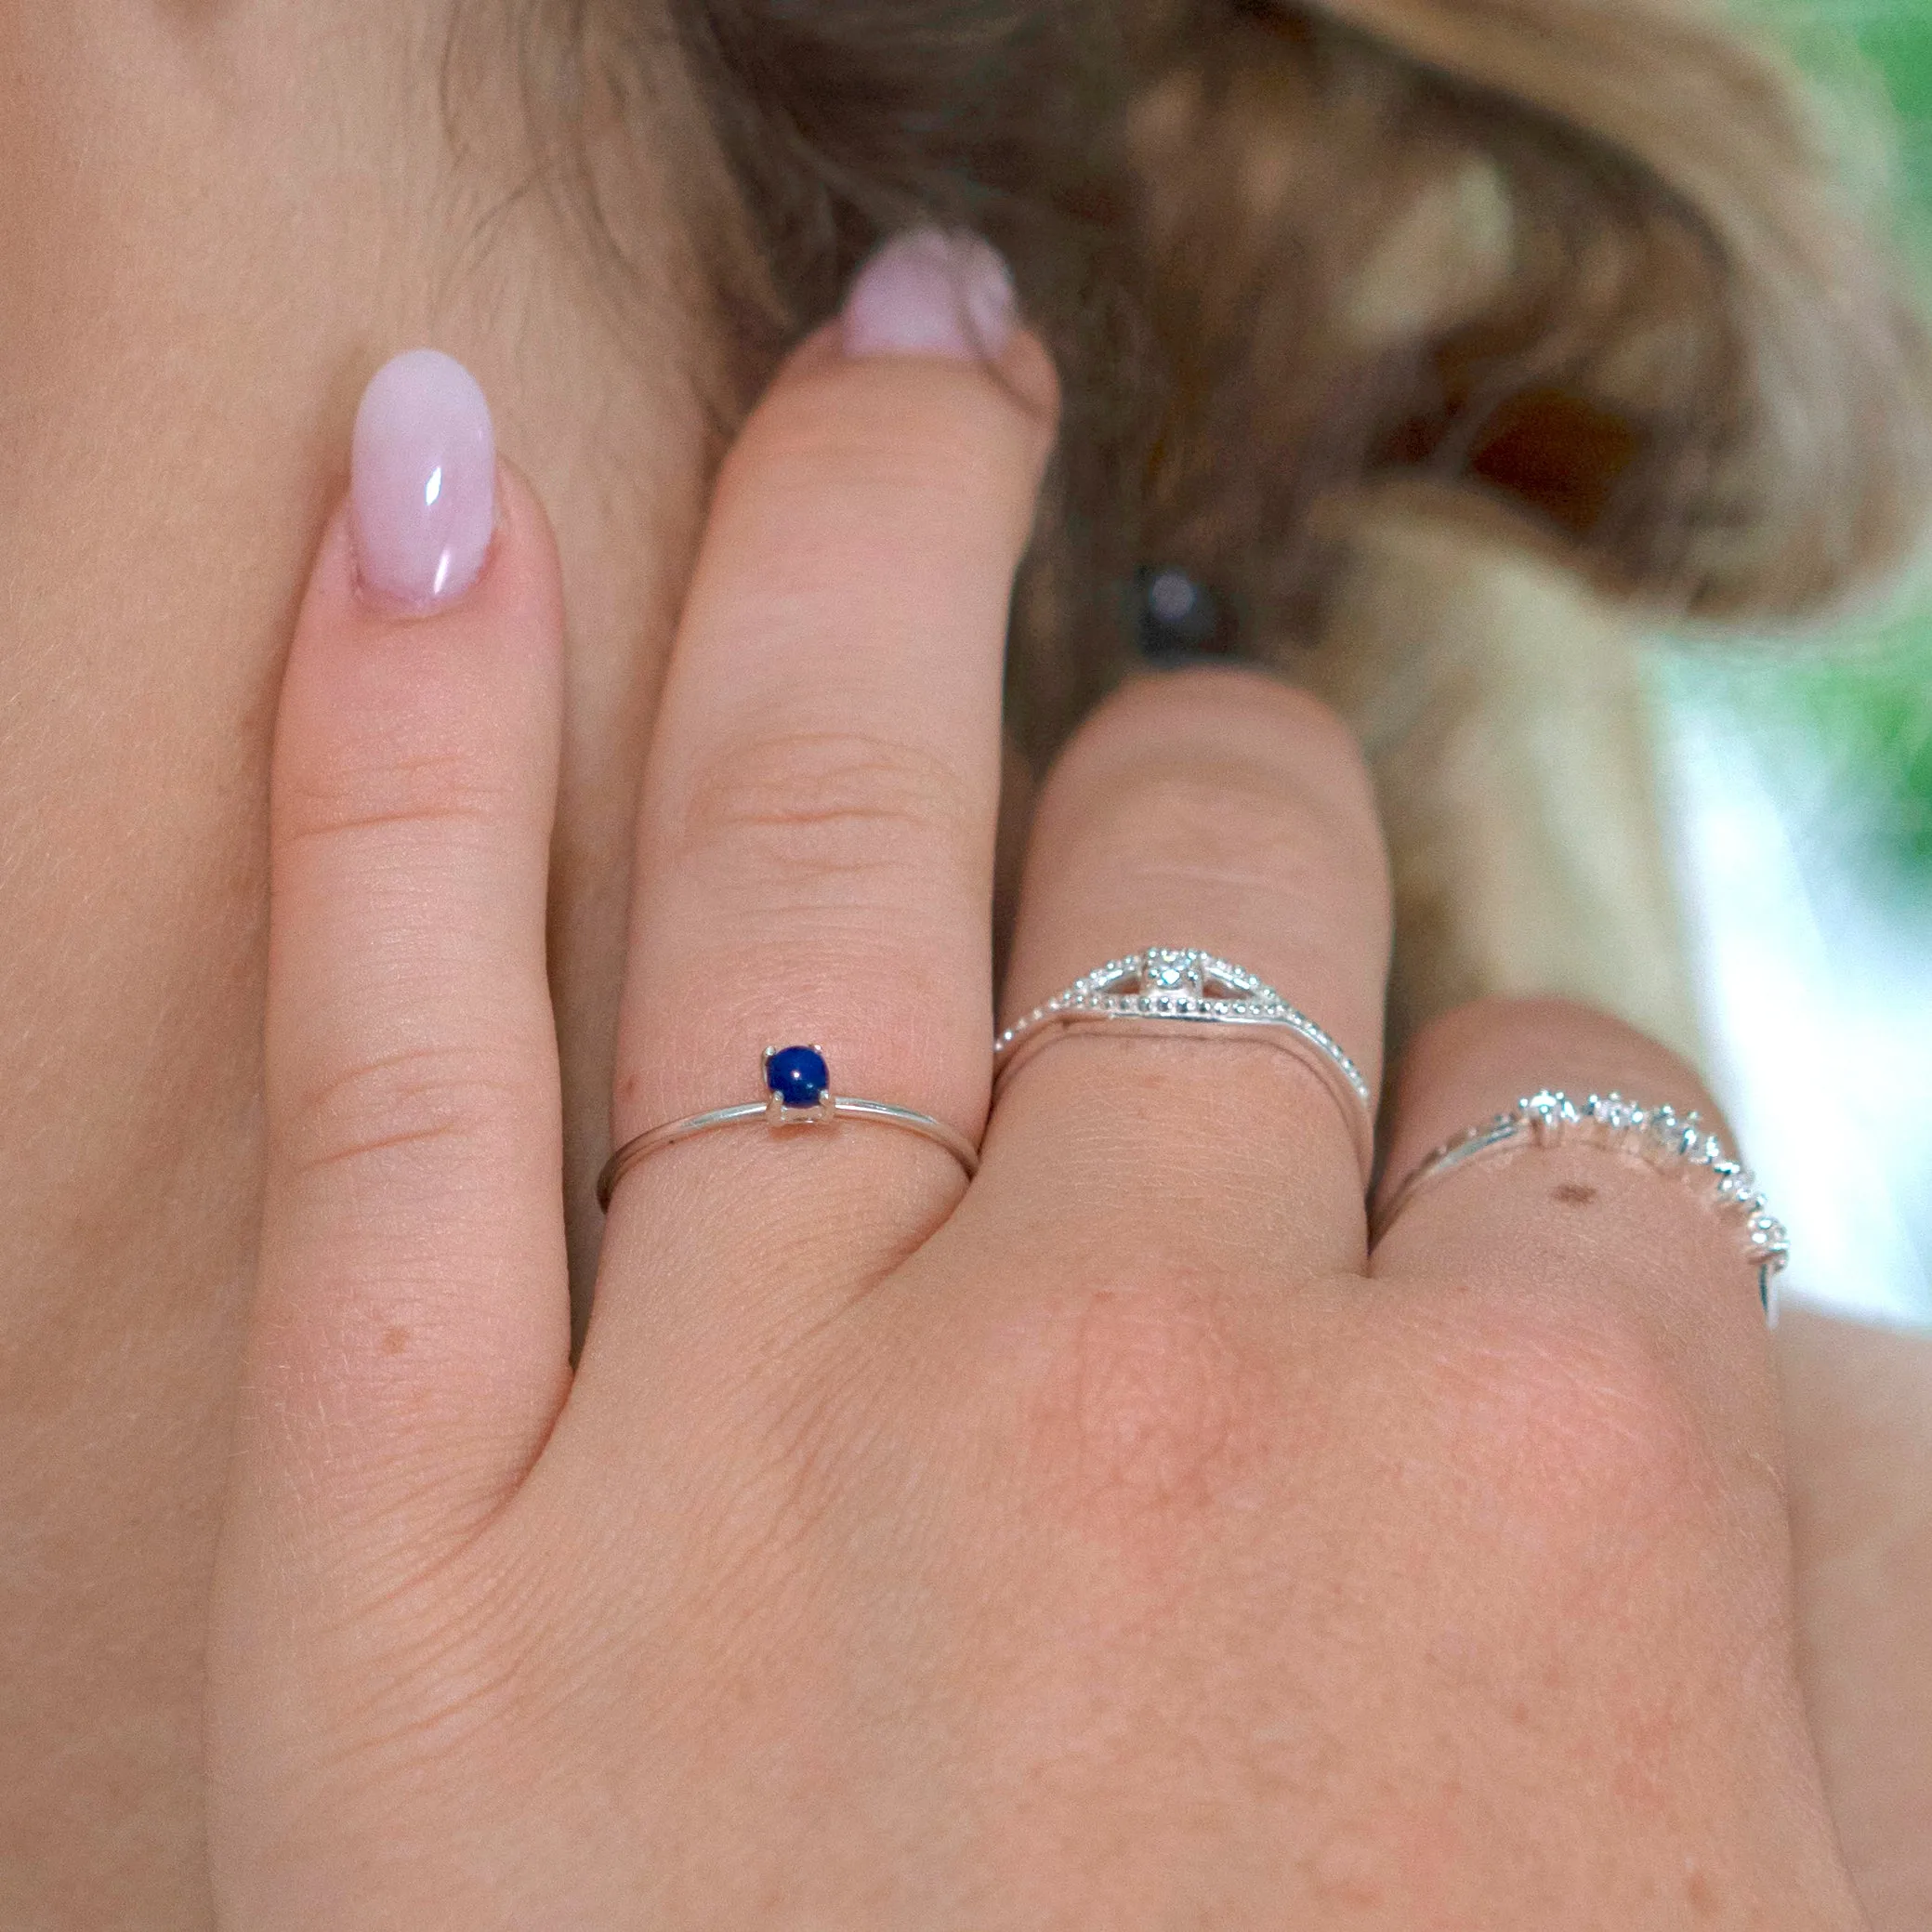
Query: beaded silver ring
(1662, 1137)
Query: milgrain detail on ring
(1665, 1140)
(1167, 982)
(1179, 988)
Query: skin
(1856, 1408)
(219, 222)
(1118, 1623)
(1051, 1550)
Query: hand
(1111, 1542)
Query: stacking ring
(1183, 991)
(1661, 1136)
(798, 1094)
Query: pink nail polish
(423, 480)
(931, 292)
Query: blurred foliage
(1873, 714)
(1858, 706)
(1846, 727)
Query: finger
(1579, 1230)
(411, 1331)
(816, 832)
(1224, 812)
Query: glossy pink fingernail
(931, 292)
(423, 480)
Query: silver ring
(798, 1094)
(1671, 1141)
(1183, 991)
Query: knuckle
(406, 1108)
(820, 805)
(1225, 711)
(1514, 1033)
(1141, 1404)
(453, 791)
(1225, 765)
(1223, 821)
(1577, 1424)
(1223, 840)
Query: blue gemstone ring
(798, 1094)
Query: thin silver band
(1662, 1137)
(778, 1115)
(1183, 992)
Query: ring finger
(1221, 811)
(1580, 1228)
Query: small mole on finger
(1573, 1193)
(394, 1340)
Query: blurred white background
(1813, 940)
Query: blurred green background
(1859, 712)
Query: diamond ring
(1183, 991)
(1667, 1139)
(798, 1094)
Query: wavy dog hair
(1583, 272)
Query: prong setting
(1181, 990)
(798, 1094)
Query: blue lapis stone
(797, 1075)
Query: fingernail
(423, 480)
(931, 292)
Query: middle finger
(1222, 811)
(816, 831)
